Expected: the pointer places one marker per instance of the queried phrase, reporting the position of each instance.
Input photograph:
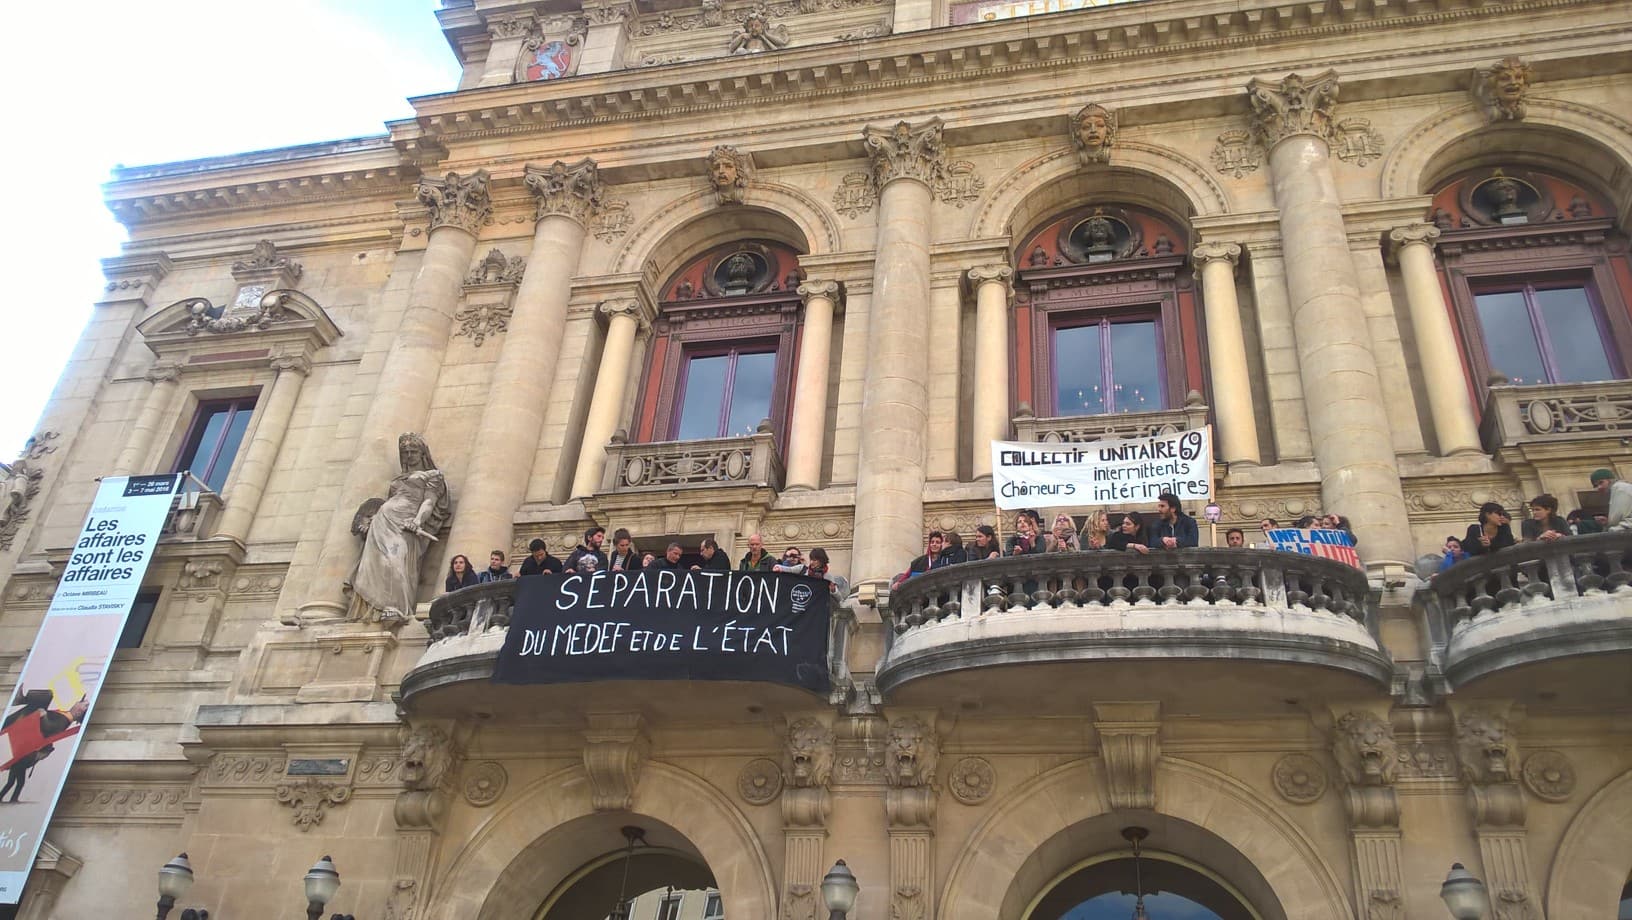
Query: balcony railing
(1531, 603)
(1027, 427)
(1557, 412)
(712, 463)
(1200, 603)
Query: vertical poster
(47, 711)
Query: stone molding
(615, 748)
(1294, 105)
(457, 201)
(906, 151)
(573, 191)
(1501, 88)
(311, 798)
(118, 803)
(1093, 133)
(291, 364)
(1130, 745)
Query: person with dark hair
(1307, 522)
(1173, 528)
(624, 557)
(930, 559)
(1129, 535)
(539, 561)
(587, 556)
(1235, 538)
(820, 567)
(1493, 532)
(792, 562)
(1620, 499)
(1027, 538)
(985, 545)
(1582, 523)
(756, 559)
(954, 552)
(713, 559)
(1268, 524)
(497, 569)
(671, 559)
(459, 574)
(1543, 524)
(1453, 553)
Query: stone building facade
(709, 271)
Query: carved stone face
(808, 756)
(911, 753)
(1093, 128)
(1508, 80)
(722, 172)
(425, 758)
(1366, 749)
(1482, 747)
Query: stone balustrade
(193, 516)
(1532, 603)
(472, 610)
(1070, 429)
(702, 464)
(1557, 412)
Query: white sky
(136, 83)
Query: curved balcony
(1554, 618)
(1062, 628)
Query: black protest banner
(668, 625)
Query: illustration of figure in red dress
(29, 735)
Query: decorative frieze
(457, 201)
(1093, 132)
(1500, 89)
(122, 803)
(1294, 105)
(572, 191)
(310, 799)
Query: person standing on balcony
(1129, 535)
(1063, 538)
(671, 559)
(1027, 537)
(930, 559)
(713, 559)
(1173, 528)
(1454, 553)
(985, 545)
(1493, 532)
(1543, 524)
(459, 574)
(756, 559)
(1620, 498)
(539, 561)
(1096, 531)
(1235, 538)
(587, 556)
(624, 557)
(496, 569)
(792, 562)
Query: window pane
(751, 393)
(230, 441)
(1078, 372)
(206, 437)
(1510, 341)
(705, 392)
(141, 614)
(1576, 342)
(1136, 368)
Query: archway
(638, 877)
(1594, 860)
(1140, 881)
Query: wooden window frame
(195, 429)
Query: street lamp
(839, 890)
(175, 879)
(321, 884)
(1463, 894)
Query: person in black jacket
(624, 556)
(756, 559)
(1128, 535)
(1173, 529)
(459, 574)
(713, 559)
(954, 552)
(932, 559)
(1028, 536)
(1543, 524)
(671, 559)
(986, 545)
(539, 561)
(1493, 532)
(497, 569)
(587, 557)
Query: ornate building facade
(787, 269)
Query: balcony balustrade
(713, 463)
(1214, 605)
(1560, 412)
(1072, 429)
(1537, 616)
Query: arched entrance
(1113, 885)
(636, 880)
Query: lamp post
(839, 890)
(321, 883)
(1463, 894)
(175, 880)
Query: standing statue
(397, 532)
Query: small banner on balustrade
(1327, 544)
(668, 625)
(68, 662)
(1124, 471)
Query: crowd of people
(1493, 531)
(592, 556)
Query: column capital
(163, 372)
(571, 191)
(1294, 105)
(906, 151)
(832, 290)
(1399, 237)
(982, 274)
(626, 306)
(457, 201)
(1215, 252)
(296, 364)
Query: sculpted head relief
(728, 170)
(911, 753)
(1093, 131)
(807, 758)
(1365, 749)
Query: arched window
(722, 352)
(1537, 275)
(1105, 890)
(1105, 315)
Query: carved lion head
(426, 757)
(1365, 749)
(911, 753)
(807, 759)
(1482, 747)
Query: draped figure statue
(397, 531)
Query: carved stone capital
(1294, 105)
(1399, 237)
(1093, 131)
(572, 191)
(510, 27)
(629, 307)
(806, 807)
(163, 372)
(906, 151)
(988, 274)
(1500, 89)
(1130, 744)
(615, 748)
(1216, 252)
(832, 290)
(457, 201)
(729, 170)
(293, 364)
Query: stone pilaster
(429, 767)
(1368, 758)
(458, 205)
(1227, 352)
(1348, 418)
(161, 378)
(568, 197)
(1485, 753)
(890, 478)
(505, 35)
(255, 469)
(608, 35)
(1437, 352)
(807, 767)
(625, 319)
(990, 413)
(909, 808)
(806, 441)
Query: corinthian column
(501, 462)
(1436, 341)
(809, 423)
(249, 482)
(906, 159)
(1227, 352)
(990, 415)
(401, 402)
(606, 406)
(1348, 420)
(162, 388)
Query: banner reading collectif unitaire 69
(1124, 471)
(69, 660)
(668, 625)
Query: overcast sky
(100, 83)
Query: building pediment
(194, 331)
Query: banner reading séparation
(668, 625)
(1125, 471)
(65, 668)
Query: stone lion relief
(1482, 747)
(1365, 750)
(911, 753)
(807, 758)
(426, 757)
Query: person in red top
(30, 734)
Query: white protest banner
(65, 668)
(1123, 471)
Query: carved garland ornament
(480, 321)
(1299, 778)
(310, 799)
(1549, 776)
(972, 780)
